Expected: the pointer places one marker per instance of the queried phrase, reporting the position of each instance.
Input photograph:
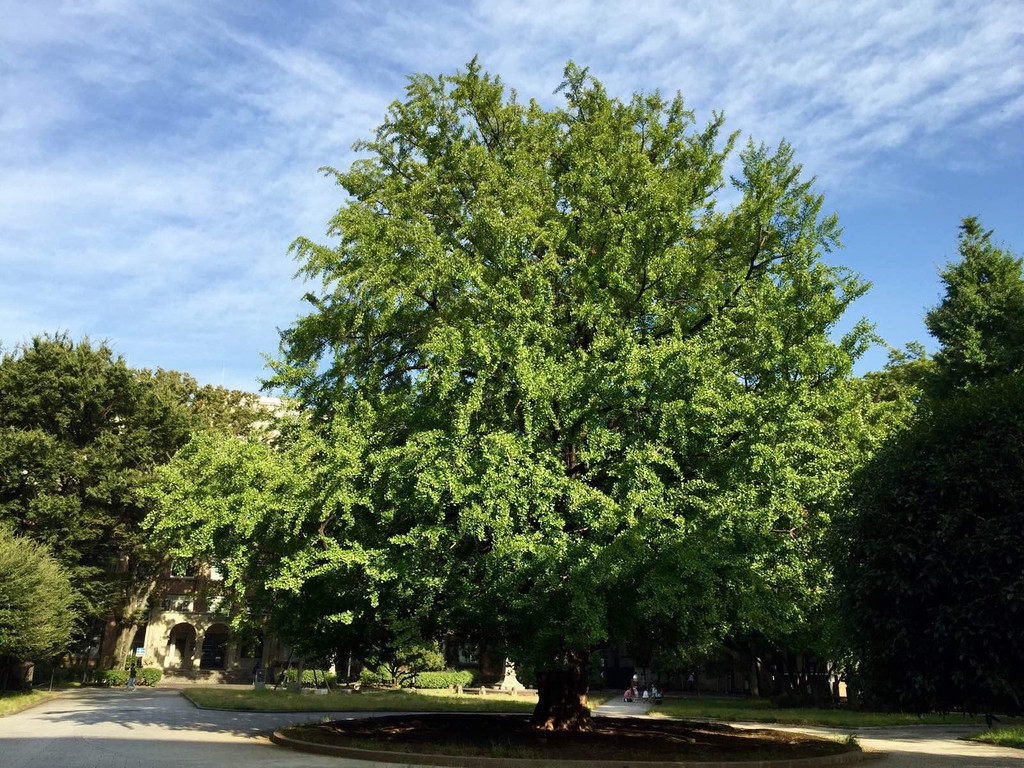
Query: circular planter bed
(487, 740)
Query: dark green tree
(580, 399)
(980, 322)
(934, 574)
(37, 615)
(80, 433)
(930, 566)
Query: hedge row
(146, 676)
(447, 678)
(307, 676)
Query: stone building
(188, 634)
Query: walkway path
(160, 729)
(147, 729)
(616, 707)
(920, 746)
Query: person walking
(130, 685)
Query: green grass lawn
(1001, 737)
(364, 701)
(762, 711)
(15, 701)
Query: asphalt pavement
(160, 729)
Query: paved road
(923, 746)
(616, 707)
(160, 729)
(147, 729)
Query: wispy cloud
(157, 158)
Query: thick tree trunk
(562, 698)
(753, 678)
(128, 617)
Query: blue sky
(158, 158)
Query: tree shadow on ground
(162, 709)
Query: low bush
(375, 678)
(148, 676)
(447, 678)
(307, 676)
(115, 677)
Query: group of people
(644, 694)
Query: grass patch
(364, 701)
(15, 701)
(762, 711)
(1000, 737)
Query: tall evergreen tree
(932, 568)
(980, 322)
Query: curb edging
(34, 704)
(369, 712)
(459, 761)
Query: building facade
(188, 634)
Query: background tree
(931, 568)
(80, 433)
(583, 401)
(980, 322)
(37, 613)
(935, 572)
(254, 508)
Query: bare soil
(611, 739)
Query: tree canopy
(80, 432)
(37, 613)
(935, 572)
(564, 395)
(980, 320)
(932, 568)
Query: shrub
(307, 676)
(376, 678)
(115, 677)
(146, 676)
(444, 679)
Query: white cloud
(158, 157)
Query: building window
(468, 653)
(215, 604)
(181, 603)
(216, 574)
(183, 569)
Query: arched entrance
(215, 647)
(181, 645)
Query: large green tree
(932, 568)
(80, 433)
(586, 400)
(37, 615)
(934, 573)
